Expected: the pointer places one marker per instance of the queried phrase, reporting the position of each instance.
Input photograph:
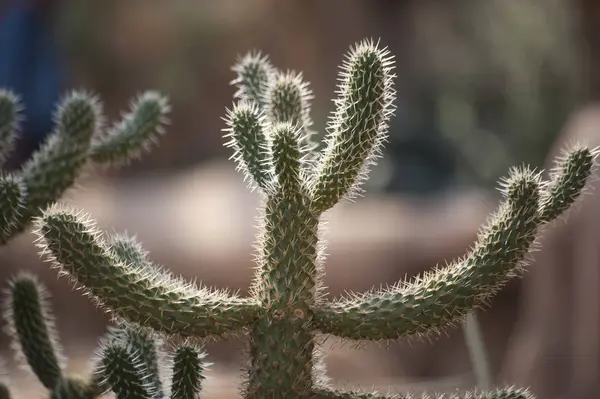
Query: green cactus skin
(287, 310)
(62, 158)
(9, 122)
(131, 364)
(125, 373)
(147, 352)
(35, 340)
(188, 372)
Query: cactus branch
(13, 197)
(32, 328)
(254, 72)
(358, 126)
(188, 372)
(138, 292)
(9, 122)
(135, 133)
(125, 372)
(446, 295)
(54, 168)
(247, 134)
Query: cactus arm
(287, 99)
(287, 161)
(254, 72)
(188, 372)
(445, 296)
(247, 134)
(358, 127)
(56, 165)
(135, 132)
(13, 198)
(568, 177)
(138, 292)
(501, 393)
(146, 348)
(9, 122)
(30, 324)
(124, 372)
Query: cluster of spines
(130, 361)
(273, 154)
(77, 139)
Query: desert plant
(129, 362)
(287, 314)
(77, 139)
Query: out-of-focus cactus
(130, 361)
(35, 340)
(287, 311)
(77, 139)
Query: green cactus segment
(359, 125)
(145, 346)
(567, 180)
(246, 132)
(71, 388)
(12, 204)
(125, 372)
(9, 122)
(445, 296)
(188, 372)
(135, 133)
(56, 165)
(503, 393)
(254, 72)
(282, 342)
(4, 392)
(287, 158)
(31, 326)
(288, 99)
(138, 292)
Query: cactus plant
(129, 359)
(287, 311)
(77, 139)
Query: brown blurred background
(482, 85)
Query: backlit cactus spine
(77, 139)
(287, 309)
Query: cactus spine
(77, 139)
(287, 310)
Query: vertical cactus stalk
(286, 309)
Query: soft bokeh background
(482, 85)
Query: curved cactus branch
(134, 289)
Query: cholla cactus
(55, 167)
(287, 310)
(129, 360)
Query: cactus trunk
(282, 341)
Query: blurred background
(482, 86)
